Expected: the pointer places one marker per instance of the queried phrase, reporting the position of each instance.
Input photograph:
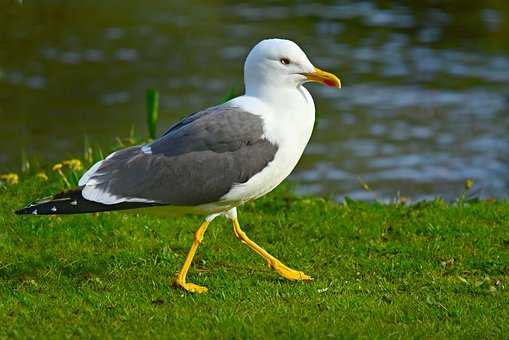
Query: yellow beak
(323, 77)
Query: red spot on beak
(329, 83)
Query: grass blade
(152, 103)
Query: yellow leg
(181, 276)
(284, 271)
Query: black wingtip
(23, 211)
(72, 202)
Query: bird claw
(190, 287)
(289, 273)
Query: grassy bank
(431, 269)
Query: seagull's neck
(289, 113)
(291, 100)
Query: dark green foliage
(427, 270)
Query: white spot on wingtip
(34, 212)
(54, 209)
(74, 203)
(146, 149)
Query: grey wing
(197, 161)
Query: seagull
(215, 160)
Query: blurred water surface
(425, 103)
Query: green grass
(427, 270)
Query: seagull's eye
(284, 61)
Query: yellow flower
(57, 167)
(10, 178)
(73, 164)
(469, 183)
(41, 175)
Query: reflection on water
(425, 103)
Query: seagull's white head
(279, 63)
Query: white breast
(288, 124)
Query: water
(425, 103)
